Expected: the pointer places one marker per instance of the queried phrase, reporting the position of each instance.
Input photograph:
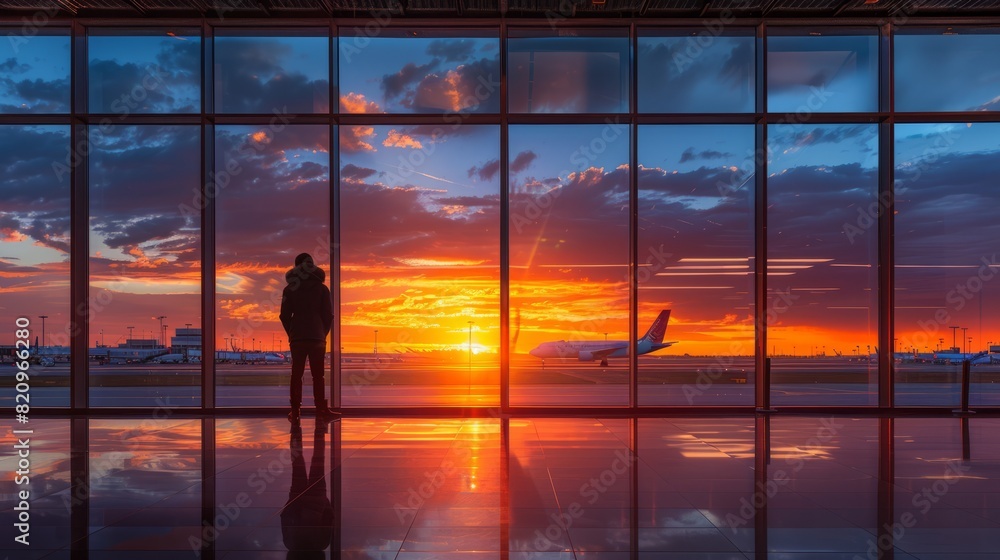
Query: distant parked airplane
(590, 350)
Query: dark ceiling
(552, 9)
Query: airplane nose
(533, 352)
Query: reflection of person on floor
(307, 518)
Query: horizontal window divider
(524, 412)
(697, 118)
(267, 119)
(117, 119)
(30, 119)
(447, 119)
(954, 117)
(693, 19)
(824, 118)
(567, 118)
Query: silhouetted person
(307, 518)
(306, 315)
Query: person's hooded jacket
(306, 307)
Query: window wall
(145, 264)
(572, 216)
(277, 177)
(696, 265)
(822, 304)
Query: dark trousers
(315, 352)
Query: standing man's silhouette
(306, 315)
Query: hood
(306, 274)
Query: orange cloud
(397, 140)
(352, 138)
(11, 236)
(356, 103)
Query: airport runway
(671, 381)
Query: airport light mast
(954, 331)
(161, 318)
(43, 318)
(470, 342)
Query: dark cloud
(290, 195)
(451, 50)
(35, 202)
(718, 79)
(473, 88)
(352, 172)
(171, 84)
(381, 224)
(36, 96)
(522, 161)
(394, 85)
(803, 135)
(469, 201)
(126, 232)
(690, 155)
(487, 171)
(253, 78)
(141, 195)
(10, 66)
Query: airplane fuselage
(590, 350)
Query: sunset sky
(420, 205)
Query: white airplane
(590, 350)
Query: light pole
(102, 339)
(964, 329)
(470, 342)
(43, 318)
(163, 338)
(954, 331)
(129, 335)
(161, 318)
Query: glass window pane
(822, 492)
(419, 71)
(273, 203)
(150, 71)
(696, 488)
(822, 251)
(569, 240)
(34, 74)
(696, 246)
(585, 73)
(48, 480)
(948, 69)
(257, 72)
(822, 72)
(696, 72)
(420, 269)
(145, 482)
(145, 265)
(570, 482)
(947, 298)
(34, 255)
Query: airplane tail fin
(658, 328)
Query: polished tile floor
(507, 488)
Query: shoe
(323, 412)
(295, 415)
